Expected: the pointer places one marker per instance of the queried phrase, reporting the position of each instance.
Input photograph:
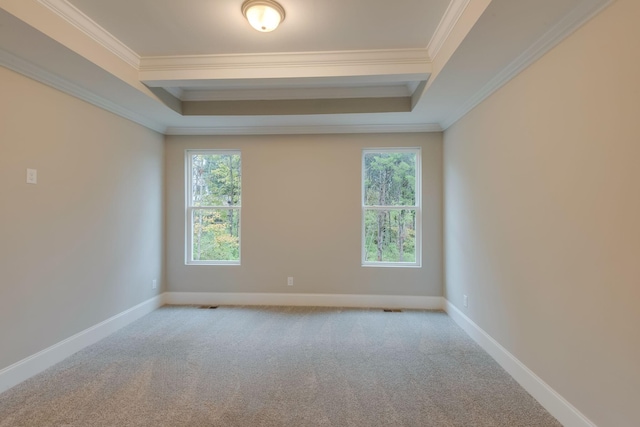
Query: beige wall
(301, 217)
(542, 212)
(85, 242)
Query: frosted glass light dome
(263, 15)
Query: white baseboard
(36, 363)
(553, 402)
(317, 300)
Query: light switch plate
(32, 176)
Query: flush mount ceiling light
(263, 15)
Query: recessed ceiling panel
(194, 27)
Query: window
(213, 207)
(391, 207)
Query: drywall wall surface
(542, 208)
(85, 242)
(301, 217)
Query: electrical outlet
(465, 301)
(289, 281)
(154, 284)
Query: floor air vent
(392, 310)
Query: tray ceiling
(332, 66)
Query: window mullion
(389, 207)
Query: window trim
(418, 208)
(189, 209)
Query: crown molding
(447, 23)
(305, 130)
(75, 17)
(369, 67)
(363, 58)
(563, 29)
(34, 72)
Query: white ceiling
(211, 27)
(197, 67)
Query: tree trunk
(231, 196)
(199, 236)
(401, 236)
(382, 214)
(380, 242)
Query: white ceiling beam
(95, 45)
(457, 22)
(412, 63)
(88, 26)
(446, 26)
(466, 17)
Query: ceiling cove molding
(447, 23)
(34, 72)
(75, 17)
(305, 130)
(296, 93)
(293, 59)
(563, 29)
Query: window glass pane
(216, 235)
(390, 235)
(215, 179)
(389, 179)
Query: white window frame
(418, 208)
(189, 209)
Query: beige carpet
(277, 366)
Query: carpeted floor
(277, 366)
